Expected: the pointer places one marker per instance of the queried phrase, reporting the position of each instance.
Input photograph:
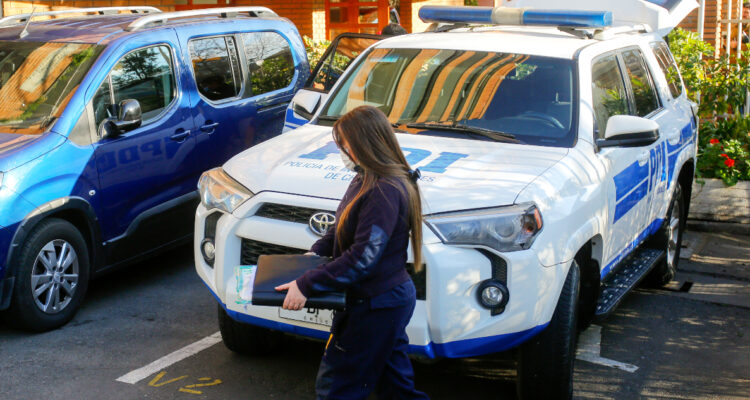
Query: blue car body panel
(121, 183)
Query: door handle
(643, 158)
(180, 135)
(209, 128)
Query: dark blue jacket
(375, 262)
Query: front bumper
(450, 322)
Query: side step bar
(627, 276)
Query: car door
(628, 169)
(242, 83)
(327, 71)
(677, 126)
(145, 174)
(649, 104)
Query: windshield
(461, 93)
(37, 80)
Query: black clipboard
(275, 270)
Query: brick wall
(410, 8)
(20, 7)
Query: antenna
(24, 32)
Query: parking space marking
(139, 374)
(589, 349)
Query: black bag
(275, 270)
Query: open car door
(337, 57)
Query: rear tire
(247, 339)
(52, 277)
(545, 363)
(669, 238)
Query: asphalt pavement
(687, 341)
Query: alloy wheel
(54, 276)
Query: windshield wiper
(456, 127)
(329, 117)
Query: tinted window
(528, 96)
(668, 67)
(608, 90)
(215, 67)
(145, 75)
(644, 93)
(269, 61)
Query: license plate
(312, 315)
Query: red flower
(714, 141)
(729, 162)
(724, 155)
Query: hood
(457, 174)
(661, 15)
(18, 149)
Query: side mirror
(306, 102)
(629, 131)
(128, 118)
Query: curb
(718, 227)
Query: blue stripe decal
(629, 178)
(457, 349)
(631, 200)
(649, 231)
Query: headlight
(218, 190)
(504, 229)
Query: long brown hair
(373, 144)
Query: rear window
(215, 67)
(269, 61)
(668, 67)
(644, 93)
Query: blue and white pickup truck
(557, 150)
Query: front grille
(252, 249)
(285, 212)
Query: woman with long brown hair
(368, 346)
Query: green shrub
(315, 49)
(720, 88)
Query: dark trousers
(366, 352)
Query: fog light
(208, 250)
(492, 294)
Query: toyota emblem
(320, 222)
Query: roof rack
(23, 18)
(223, 12)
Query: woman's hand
(294, 299)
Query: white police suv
(557, 151)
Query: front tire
(669, 238)
(247, 339)
(52, 278)
(545, 363)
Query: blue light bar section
(466, 15)
(578, 19)
(484, 15)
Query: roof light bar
(515, 16)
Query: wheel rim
(54, 276)
(673, 233)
